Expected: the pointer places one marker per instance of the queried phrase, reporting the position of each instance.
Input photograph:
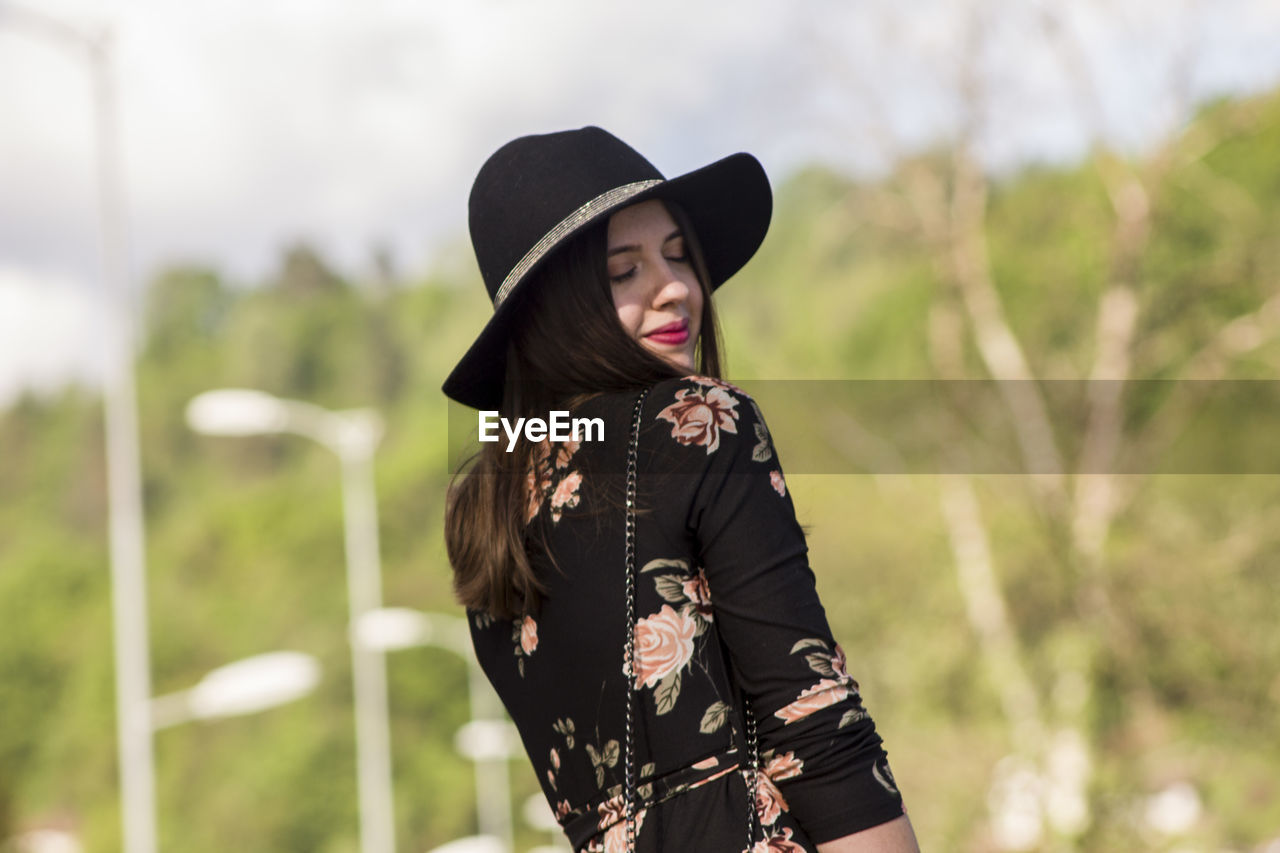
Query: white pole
(124, 484)
(400, 628)
(353, 436)
(368, 665)
(493, 787)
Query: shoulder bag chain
(753, 747)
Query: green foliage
(246, 554)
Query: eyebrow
(618, 250)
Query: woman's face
(655, 288)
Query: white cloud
(251, 123)
(50, 332)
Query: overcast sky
(356, 124)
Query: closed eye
(623, 277)
(675, 244)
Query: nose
(671, 289)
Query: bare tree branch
(1094, 507)
(1239, 337)
(984, 606)
(999, 348)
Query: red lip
(672, 333)
(678, 326)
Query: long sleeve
(724, 603)
(821, 758)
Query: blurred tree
(184, 305)
(305, 274)
(1132, 611)
(1154, 266)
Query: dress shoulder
(711, 430)
(707, 413)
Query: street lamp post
(353, 436)
(487, 740)
(244, 687)
(124, 480)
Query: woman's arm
(896, 836)
(821, 759)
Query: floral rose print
(779, 484)
(838, 664)
(762, 452)
(698, 416)
(545, 480)
(880, 770)
(828, 664)
(825, 693)
(611, 811)
(699, 594)
(835, 685)
(673, 631)
(565, 728)
(857, 715)
(690, 592)
(613, 815)
(555, 767)
(565, 495)
(714, 718)
(664, 644)
(778, 843)
(719, 774)
(785, 766)
(605, 756)
(562, 810)
(524, 638)
(529, 635)
(769, 800)
(615, 837)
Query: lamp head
(237, 412)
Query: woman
(728, 680)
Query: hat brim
(729, 202)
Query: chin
(682, 362)
(685, 360)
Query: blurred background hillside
(1069, 659)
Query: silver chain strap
(633, 452)
(753, 772)
(629, 766)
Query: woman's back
(724, 596)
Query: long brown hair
(568, 299)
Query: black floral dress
(726, 609)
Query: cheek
(630, 314)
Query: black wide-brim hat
(536, 192)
